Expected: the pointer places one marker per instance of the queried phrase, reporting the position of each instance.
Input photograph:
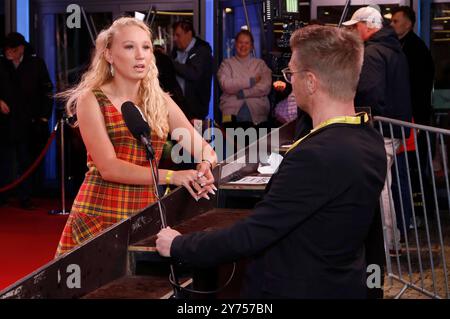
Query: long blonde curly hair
(152, 98)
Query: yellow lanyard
(338, 119)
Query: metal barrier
(416, 210)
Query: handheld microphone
(138, 126)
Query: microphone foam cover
(134, 120)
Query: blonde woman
(118, 182)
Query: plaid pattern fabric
(99, 203)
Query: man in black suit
(420, 62)
(307, 236)
(421, 80)
(193, 65)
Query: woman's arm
(99, 146)
(228, 84)
(263, 86)
(112, 169)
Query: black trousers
(14, 161)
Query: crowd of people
(385, 67)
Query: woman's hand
(191, 180)
(206, 177)
(204, 170)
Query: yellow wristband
(169, 177)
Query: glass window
(331, 15)
(440, 49)
(74, 46)
(161, 22)
(440, 43)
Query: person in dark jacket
(26, 105)
(420, 62)
(384, 83)
(166, 76)
(193, 64)
(307, 236)
(421, 79)
(384, 87)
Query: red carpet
(28, 238)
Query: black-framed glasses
(287, 73)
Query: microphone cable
(204, 292)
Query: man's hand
(164, 241)
(4, 108)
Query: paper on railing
(253, 180)
(273, 162)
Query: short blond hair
(334, 55)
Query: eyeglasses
(287, 73)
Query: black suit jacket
(167, 79)
(307, 235)
(421, 76)
(28, 92)
(197, 72)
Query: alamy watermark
(242, 146)
(73, 21)
(374, 276)
(71, 276)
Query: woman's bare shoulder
(87, 102)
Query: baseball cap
(13, 40)
(367, 14)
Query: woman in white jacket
(245, 82)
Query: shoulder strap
(102, 99)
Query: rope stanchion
(33, 166)
(63, 173)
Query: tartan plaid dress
(99, 203)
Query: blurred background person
(193, 64)
(25, 107)
(420, 62)
(421, 79)
(167, 76)
(245, 82)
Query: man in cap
(25, 106)
(384, 87)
